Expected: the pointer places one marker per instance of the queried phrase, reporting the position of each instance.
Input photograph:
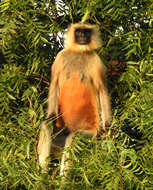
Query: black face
(83, 36)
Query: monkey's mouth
(83, 41)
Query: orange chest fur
(78, 104)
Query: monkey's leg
(44, 145)
(65, 156)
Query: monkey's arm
(104, 99)
(105, 109)
(53, 96)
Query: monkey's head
(83, 37)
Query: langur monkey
(78, 95)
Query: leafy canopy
(31, 35)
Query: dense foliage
(31, 34)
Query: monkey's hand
(106, 125)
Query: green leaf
(10, 96)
